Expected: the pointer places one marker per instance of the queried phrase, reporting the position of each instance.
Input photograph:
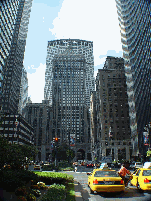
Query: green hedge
(56, 192)
(54, 177)
(48, 167)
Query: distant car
(138, 165)
(132, 166)
(112, 165)
(37, 167)
(90, 165)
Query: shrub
(21, 191)
(48, 167)
(11, 179)
(36, 192)
(21, 198)
(55, 193)
(35, 187)
(31, 197)
(53, 177)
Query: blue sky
(95, 20)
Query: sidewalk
(81, 194)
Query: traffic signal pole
(56, 162)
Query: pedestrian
(75, 169)
(122, 172)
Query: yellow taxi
(105, 180)
(142, 179)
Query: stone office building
(115, 132)
(39, 115)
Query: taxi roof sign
(147, 165)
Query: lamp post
(56, 144)
(110, 136)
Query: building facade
(115, 136)
(69, 81)
(23, 92)
(39, 115)
(15, 19)
(93, 127)
(134, 21)
(82, 47)
(16, 129)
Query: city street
(130, 194)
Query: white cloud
(36, 82)
(96, 21)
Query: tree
(15, 155)
(63, 152)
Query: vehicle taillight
(95, 181)
(146, 180)
(92, 164)
(122, 182)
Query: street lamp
(110, 136)
(56, 144)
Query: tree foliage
(63, 152)
(14, 154)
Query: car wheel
(139, 189)
(91, 191)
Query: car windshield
(138, 163)
(106, 174)
(147, 173)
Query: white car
(138, 165)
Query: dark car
(90, 165)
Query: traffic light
(56, 139)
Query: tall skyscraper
(134, 21)
(82, 47)
(15, 19)
(23, 99)
(69, 82)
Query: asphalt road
(130, 194)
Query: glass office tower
(82, 47)
(134, 21)
(15, 19)
(69, 80)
